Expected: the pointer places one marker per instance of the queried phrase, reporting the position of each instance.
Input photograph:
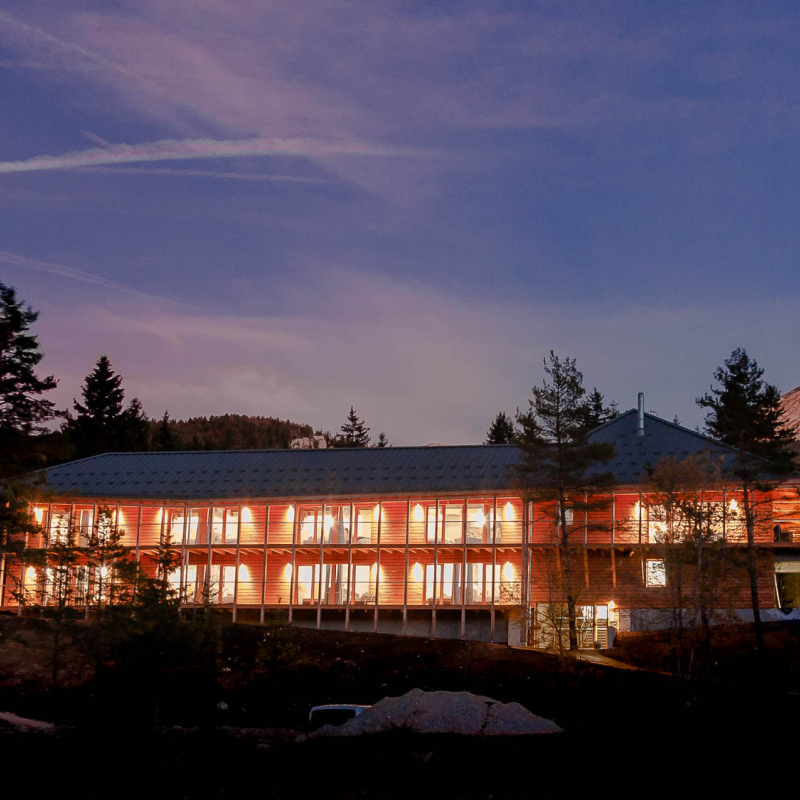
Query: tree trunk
(752, 566)
(568, 586)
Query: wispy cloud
(63, 271)
(43, 50)
(202, 173)
(420, 364)
(184, 149)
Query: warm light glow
(290, 514)
(611, 605)
(103, 572)
(417, 572)
(246, 515)
(244, 575)
(508, 571)
(328, 522)
(480, 518)
(30, 574)
(419, 515)
(734, 506)
(38, 513)
(159, 516)
(508, 512)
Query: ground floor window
(655, 573)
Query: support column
(264, 571)
(293, 578)
(349, 568)
(238, 560)
(464, 571)
(405, 583)
(210, 537)
(181, 584)
(435, 566)
(378, 569)
(494, 562)
(321, 564)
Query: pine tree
(596, 411)
(101, 424)
(23, 408)
(559, 464)
(744, 412)
(354, 433)
(502, 430)
(382, 440)
(164, 437)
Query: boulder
(443, 712)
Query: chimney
(640, 422)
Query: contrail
(70, 272)
(23, 30)
(179, 150)
(200, 173)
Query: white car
(334, 714)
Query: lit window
(655, 572)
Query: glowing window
(655, 573)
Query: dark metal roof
(355, 472)
(633, 454)
(287, 473)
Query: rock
(222, 706)
(443, 712)
(6, 717)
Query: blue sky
(288, 207)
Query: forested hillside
(224, 432)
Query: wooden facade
(471, 564)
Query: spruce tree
(382, 440)
(745, 412)
(560, 465)
(101, 424)
(23, 408)
(164, 437)
(354, 433)
(596, 411)
(502, 430)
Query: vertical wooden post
(264, 571)
(181, 584)
(405, 582)
(210, 537)
(640, 517)
(494, 563)
(349, 567)
(464, 571)
(292, 577)
(378, 568)
(138, 532)
(238, 559)
(724, 515)
(321, 564)
(435, 564)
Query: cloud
(184, 149)
(415, 362)
(202, 173)
(63, 271)
(52, 52)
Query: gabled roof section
(287, 473)
(633, 454)
(231, 474)
(790, 403)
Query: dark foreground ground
(628, 734)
